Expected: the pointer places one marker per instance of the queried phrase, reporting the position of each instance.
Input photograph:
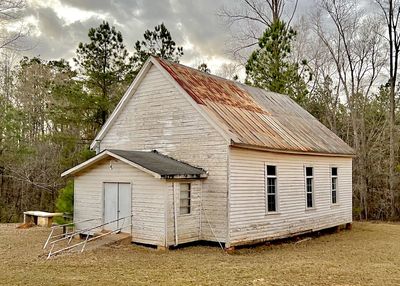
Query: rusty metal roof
(254, 117)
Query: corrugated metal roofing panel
(256, 117)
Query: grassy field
(367, 255)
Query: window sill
(272, 213)
(335, 205)
(311, 209)
(184, 215)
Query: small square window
(334, 171)
(309, 171)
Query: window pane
(334, 171)
(309, 200)
(309, 171)
(185, 195)
(185, 187)
(333, 197)
(309, 185)
(184, 210)
(271, 170)
(185, 203)
(271, 185)
(271, 203)
(334, 183)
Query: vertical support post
(51, 250)
(84, 245)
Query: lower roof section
(152, 162)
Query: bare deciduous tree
(249, 20)
(229, 71)
(358, 56)
(390, 9)
(10, 12)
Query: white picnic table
(40, 218)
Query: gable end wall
(158, 116)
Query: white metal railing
(86, 231)
(53, 228)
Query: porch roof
(152, 162)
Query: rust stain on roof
(256, 117)
(201, 87)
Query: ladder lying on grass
(52, 240)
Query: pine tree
(270, 67)
(105, 66)
(204, 68)
(157, 43)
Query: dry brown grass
(367, 255)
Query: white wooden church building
(189, 156)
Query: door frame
(103, 198)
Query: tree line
(52, 111)
(340, 63)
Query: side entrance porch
(153, 197)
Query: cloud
(62, 24)
(192, 22)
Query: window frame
(337, 184)
(266, 194)
(312, 177)
(189, 199)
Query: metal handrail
(63, 225)
(86, 230)
(53, 243)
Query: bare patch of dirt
(367, 255)
(26, 225)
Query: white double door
(117, 206)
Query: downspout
(175, 214)
(201, 208)
(166, 201)
(228, 207)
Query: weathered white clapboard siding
(148, 201)
(158, 116)
(248, 219)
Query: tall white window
(310, 187)
(271, 195)
(185, 197)
(334, 184)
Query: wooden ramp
(102, 241)
(114, 239)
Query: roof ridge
(241, 84)
(199, 71)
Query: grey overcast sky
(57, 26)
